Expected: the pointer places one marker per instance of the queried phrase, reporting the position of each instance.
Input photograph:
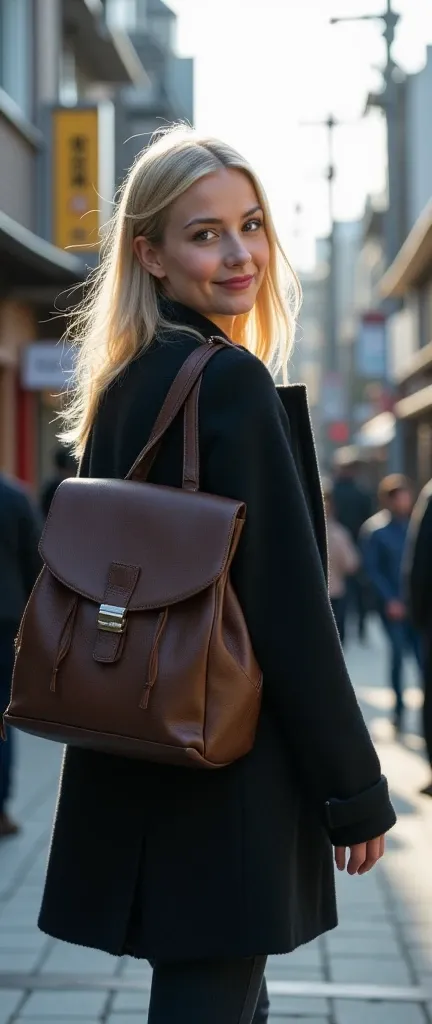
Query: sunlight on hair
(119, 315)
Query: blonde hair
(119, 315)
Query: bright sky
(263, 67)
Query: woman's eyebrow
(217, 220)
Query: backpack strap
(184, 391)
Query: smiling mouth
(237, 283)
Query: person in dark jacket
(418, 569)
(19, 566)
(353, 506)
(383, 540)
(64, 467)
(206, 873)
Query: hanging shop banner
(83, 171)
(76, 177)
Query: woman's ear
(149, 257)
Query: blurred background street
(331, 101)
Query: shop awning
(413, 264)
(415, 405)
(107, 53)
(28, 261)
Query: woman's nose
(237, 254)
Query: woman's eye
(203, 236)
(253, 225)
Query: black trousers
(357, 605)
(209, 992)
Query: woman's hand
(363, 856)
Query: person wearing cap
(384, 539)
(418, 567)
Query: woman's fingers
(363, 856)
(375, 850)
(340, 856)
(357, 858)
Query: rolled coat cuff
(362, 817)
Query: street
(375, 969)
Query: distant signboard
(371, 347)
(47, 366)
(333, 398)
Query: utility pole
(387, 100)
(331, 360)
(333, 404)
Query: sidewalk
(375, 969)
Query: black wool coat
(166, 862)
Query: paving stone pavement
(376, 968)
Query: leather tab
(179, 391)
(121, 583)
(191, 469)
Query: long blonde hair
(119, 315)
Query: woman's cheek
(203, 267)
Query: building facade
(409, 280)
(56, 56)
(167, 94)
(407, 284)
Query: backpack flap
(151, 546)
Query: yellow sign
(76, 216)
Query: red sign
(338, 432)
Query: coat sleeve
(418, 563)
(280, 583)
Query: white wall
(419, 140)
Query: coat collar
(179, 314)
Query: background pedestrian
(353, 505)
(64, 466)
(419, 581)
(384, 539)
(19, 567)
(344, 561)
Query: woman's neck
(224, 323)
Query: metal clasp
(111, 618)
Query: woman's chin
(236, 305)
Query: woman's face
(215, 250)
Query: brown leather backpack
(133, 641)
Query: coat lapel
(294, 401)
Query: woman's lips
(236, 284)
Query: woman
(205, 873)
(343, 561)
